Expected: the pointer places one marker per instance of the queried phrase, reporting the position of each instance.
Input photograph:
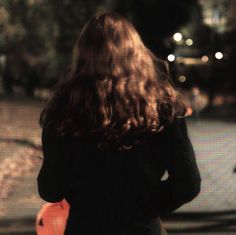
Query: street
(214, 210)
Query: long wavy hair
(117, 91)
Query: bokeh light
(205, 58)
(219, 55)
(182, 78)
(178, 37)
(171, 57)
(189, 42)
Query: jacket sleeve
(184, 181)
(52, 175)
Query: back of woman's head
(116, 90)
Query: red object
(52, 218)
(189, 111)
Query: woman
(110, 131)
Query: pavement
(213, 137)
(214, 210)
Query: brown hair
(116, 89)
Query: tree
(26, 41)
(156, 20)
(70, 16)
(37, 37)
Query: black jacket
(115, 191)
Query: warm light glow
(218, 55)
(3, 59)
(182, 78)
(177, 37)
(4, 15)
(205, 58)
(171, 57)
(189, 42)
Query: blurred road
(212, 212)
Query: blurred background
(196, 37)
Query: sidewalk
(212, 212)
(19, 164)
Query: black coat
(119, 193)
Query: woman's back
(121, 190)
(111, 130)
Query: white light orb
(3, 59)
(177, 37)
(189, 42)
(182, 78)
(171, 57)
(205, 59)
(219, 55)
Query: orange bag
(52, 218)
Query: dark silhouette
(111, 130)
(7, 79)
(157, 20)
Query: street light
(189, 42)
(182, 78)
(218, 55)
(205, 58)
(177, 37)
(171, 57)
